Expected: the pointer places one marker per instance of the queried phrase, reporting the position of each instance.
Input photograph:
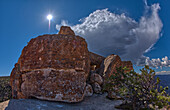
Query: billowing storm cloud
(109, 33)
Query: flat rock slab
(4, 104)
(95, 102)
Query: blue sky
(22, 20)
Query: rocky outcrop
(96, 81)
(109, 65)
(16, 81)
(95, 60)
(52, 67)
(57, 68)
(108, 68)
(65, 30)
(54, 84)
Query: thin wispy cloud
(109, 33)
(163, 73)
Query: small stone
(112, 95)
(96, 78)
(97, 88)
(88, 90)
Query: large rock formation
(52, 67)
(56, 67)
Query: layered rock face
(52, 67)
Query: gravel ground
(96, 102)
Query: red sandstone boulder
(96, 78)
(96, 88)
(15, 82)
(108, 68)
(128, 65)
(65, 30)
(109, 65)
(52, 67)
(54, 84)
(88, 90)
(95, 60)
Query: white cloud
(109, 33)
(165, 62)
(145, 1)
(163, 73)
(63, 23)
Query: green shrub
(142, 91)
(5, 89)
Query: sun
(49, 17)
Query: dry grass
(5, 88)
